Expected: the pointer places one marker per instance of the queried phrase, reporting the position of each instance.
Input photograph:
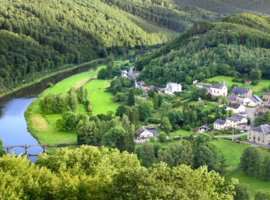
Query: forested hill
(165, 13)
(210, 49)
(38, 35)
(231, 6)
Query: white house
(236, 121)
(260, 134)
(124, 73)
(216, 89)
(237, 108)
(142, 133)
(173, 87)
(252, 101)
(219, 124)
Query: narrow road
(250, 112)
(229, 136)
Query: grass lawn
(256, 89)
(52, 119)
(47, 137)
(182, 132)
(100, 99)
(255, 184)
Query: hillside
(166, 13)
(37, 36)
(231, 6)
(206, 50)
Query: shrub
(49, 85)
(255, 83)
(188, 128)
(152, 139)
(162, 137)
(59, 124)
(154, 121)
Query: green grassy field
(182, 132)
(100, 99)
(255, 184)
(256, 89)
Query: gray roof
(239, 90)
(255, 99)
(139, 131)
(262, 129)
(220, 121)
(231, 98)
(236, 117)
(264, 111)
(203, 85)
(234, 105)
(265, 93)
(217, 86)
(205, 127)
(242, 113)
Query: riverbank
(43, 127)
(61, 70)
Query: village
(240, 101)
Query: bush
(255, 83)
(188, 128)
(49, 85)
(237, 80)
(152, 139)
(162, 137)
(59, 124)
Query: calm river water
(13, 127)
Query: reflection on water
(13, 127)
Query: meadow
(257, 89)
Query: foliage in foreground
(89, 173)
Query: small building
(236, 107)
(150, 127)
(219, 124)
(261, 113)
(265, 105)
(260, 134)
(139, 84)
(142, 133)
(216, 89)
(241, 92)
(173, 87)
(150, 88)
(124, 73)
(136, 73)
(244, 114)
(236, 121)
(161, 90)
(252, 101)
(266, 96)
(129, 76)
(204, 128)
(248, 82)
(232, 99)
(195, 81)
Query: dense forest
(231, 6)
(167, 14)
(209, 49)
(37, 36)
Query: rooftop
(234, 105)
(262, 129)
(204, 85)
(265, 93)
(255, 99)
(239, 90)
(231, 98)
(235, 117)
(220, 121)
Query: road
(131, 72)
(229, 136)
(250, 112)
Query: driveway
(250, 112)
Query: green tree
(162, 137)
(223, 165)
(131, 100)
(250, 161)
(165, 108)
(262, 196)
(166, 125)
(147, 154)
(155, 102)
(203, 138)
(200, 104)
(121, 110)
(59, 124)
(204, 156)
(265, 168)
(224, 100)
(255, 74)
(145, 110)
(242, 192)
(2, 151)
(116, 135)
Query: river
(13, 127)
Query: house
(266, 96)
(236, 121)
(244, 114)
(252, 101)
(173, 87)
(151, 87)
(139, 84)
(265, 105)
(161, 90)
(241, 92)
(142, 133)
(204, 128)
(260, 134)
(232, 99)
(194, 82)
(236, 107)
(129, 76)
(124, 73)
(219, 124)
(216, 89)
(150, 127)
(248, 82)
(261, 113)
